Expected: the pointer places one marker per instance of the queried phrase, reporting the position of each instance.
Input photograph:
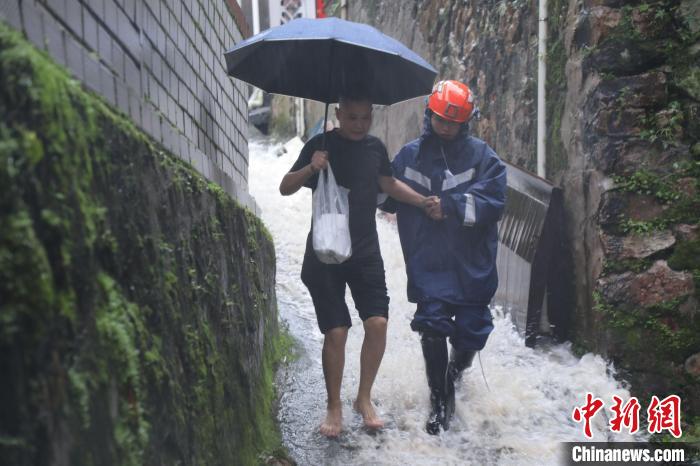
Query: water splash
(521, 420)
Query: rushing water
(515, 413)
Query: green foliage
(678, 341)
(626, 28)
(623, 97)
(639, 227)
(626, 265)
(691, 434)
(658, 15)
(648, 183)
(631, 332)
(682, 207)
(663, 130)
(613, 317)
(653, 327)
(690, 439)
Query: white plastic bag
(331, 217)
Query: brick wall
(161, 63)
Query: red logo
(661, 414)
(586, 412)
(627, 415)
(665, 415)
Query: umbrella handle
(330, 77)
(325, 122)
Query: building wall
(159, 62)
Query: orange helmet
(452, 100)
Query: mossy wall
(138, 317)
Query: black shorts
(326, 284)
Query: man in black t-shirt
(360, 163)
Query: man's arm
(293, 181)
(400, 191)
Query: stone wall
(160, 63)
(629, 131)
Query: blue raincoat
(452, 261)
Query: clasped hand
(433, 208)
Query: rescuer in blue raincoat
(450, 262)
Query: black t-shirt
(356, 166)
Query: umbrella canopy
(322, 59)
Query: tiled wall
(160, 62)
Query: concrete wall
(159, 62)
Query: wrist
(312, 169)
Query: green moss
(25, 274)
(626, 265)
(557, 156)
(78, 390)
(655, 326)
(31, 147)
(218, 191)
(690, 82)
(691, 434)
(287, 347)
(630, 332)
(684, 211)
(614, 317)
(686, 256)
(695, 152)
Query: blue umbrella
(322, 59)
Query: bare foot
(369, 416)
(333, 424)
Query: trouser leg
(459, 360)
(473, 325)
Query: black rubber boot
(459, 360)
(435, 354)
